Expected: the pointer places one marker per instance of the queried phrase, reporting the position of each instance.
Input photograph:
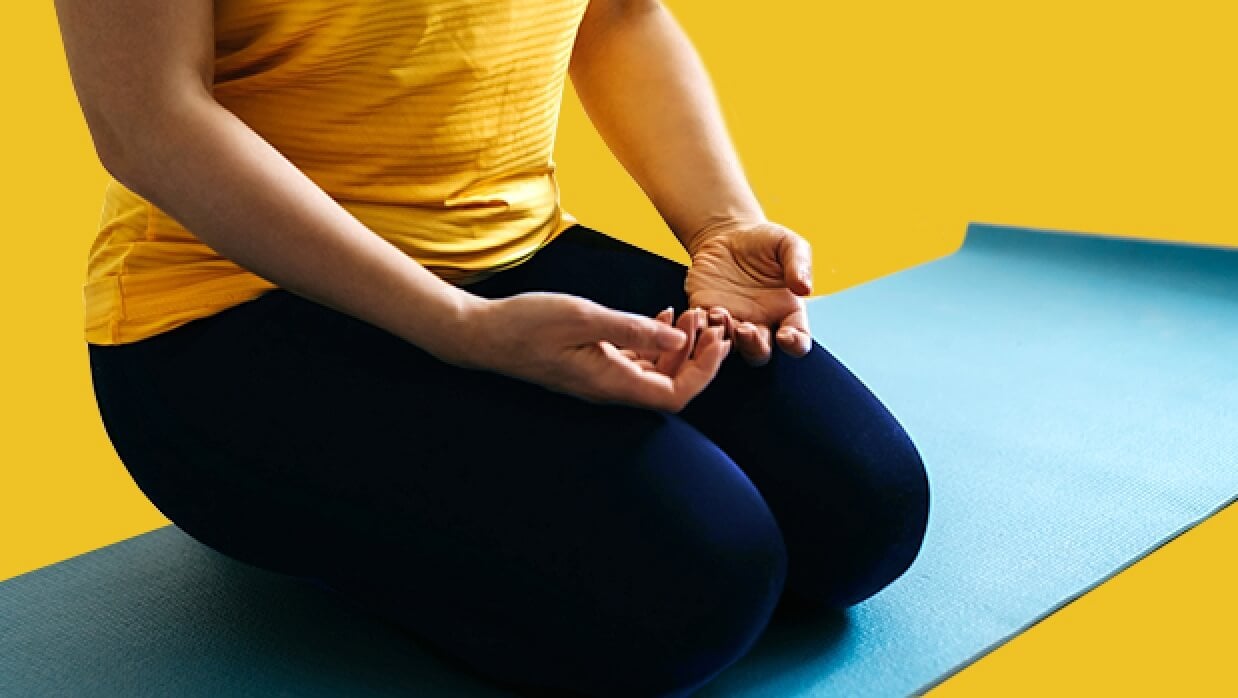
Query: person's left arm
(647, 93)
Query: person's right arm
(143, 71)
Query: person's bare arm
(647, 93)
(143, 71)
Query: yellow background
(878, 130)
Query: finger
(700, 320)
(665, 316)
(718, 315)
(753, 343)
(696, 374)
(690, 322)
(765, 341)
(795, 255)
(629, 330)
(625, 382)
(641, 354)
(794, 342)
(793, 335)
(746, 342)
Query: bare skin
(648, 95)
(142, 70)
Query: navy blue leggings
(555, 546)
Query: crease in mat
(1073, 398)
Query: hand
(751, 275)
(692, 322)
(575, 346)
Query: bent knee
(886, 525)
(900, 518)
(682, 621)
(720, 611)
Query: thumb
(795, 255)
(632, 331)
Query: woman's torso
(433, 122)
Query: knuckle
(575, 311)
(636, 332)
(622, 329)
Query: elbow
(111, 157)
(121, 150)
(128, 140)
(114, 144)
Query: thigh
(586, 262)
(536, 537)
(839, 471)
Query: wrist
(466, 326)
(448, 325)
(718, 225)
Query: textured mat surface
(1074, 400)
(1073, 397)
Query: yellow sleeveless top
(431, 121)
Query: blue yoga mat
(1073, 397)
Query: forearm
(212, 173)
(647, 93)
